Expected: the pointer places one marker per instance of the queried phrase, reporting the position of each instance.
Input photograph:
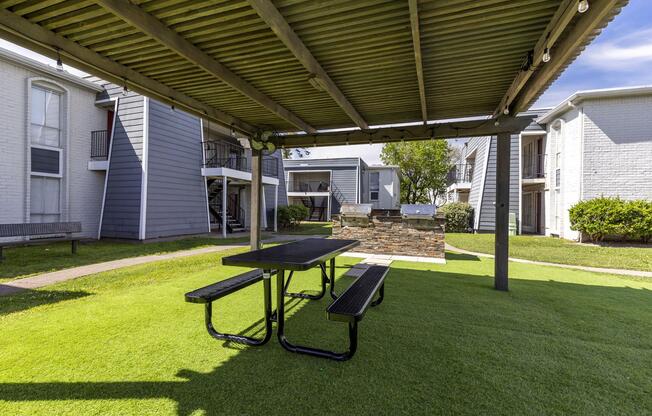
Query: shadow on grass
(416, 355)
(23, 299)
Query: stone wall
(394, 235)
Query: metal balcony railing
(534, 167)
(99, 145)
(226, 155)
(459, 173)
(307, 186)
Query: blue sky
(620, 56)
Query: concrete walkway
(46, 279)
(623, 272)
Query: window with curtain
(374, 185)
(46, 117)
(45, 155)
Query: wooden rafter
(564, 52)
(284, 32)
(48, 43)
(416, 42)
(447, 130)
(563, 16)
(156, 29)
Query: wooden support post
(256, 197)
(502, 211)
(224, 195)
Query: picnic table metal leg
(316, 352)
(305, 295)
(242, 339)
(332, 278)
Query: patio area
(443, 341)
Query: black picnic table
(296, 256)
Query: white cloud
(632, 52)
(370, 153)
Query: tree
(424, 166)
(299, 152)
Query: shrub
(291, 216)
(601, 217)
(458, 217)
(638, 220)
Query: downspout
(143, 187)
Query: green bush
(601, 217)
(638, 220)
(458, 217)
(291, 216)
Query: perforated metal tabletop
(299, 255)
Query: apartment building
(123, 165)
(595, 143)
(323, 185)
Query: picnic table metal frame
(256, 259)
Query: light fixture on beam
(583, 6)
(59, 62)
(125, 90)
(546, 55)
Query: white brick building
(595, 143)
(47, 118)
(599, 144)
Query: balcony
(226, 159)
(460, 173)
(99, 145)
(307, 187)
(534, 167)
(226, 155)
(100, 141)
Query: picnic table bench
(350, 306)
(63, 229)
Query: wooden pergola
(299, 67)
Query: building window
(45, 117)
(45, 199)
(374, 185)
(45, 155)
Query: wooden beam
(29, 35)
(416, 42)
(560, 20)
(284, 32)
(564, 52)
(471, 128)
(156, 29)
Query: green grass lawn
(29, 260)
(443, 342)
(311, 228)
(557, 250)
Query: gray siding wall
(176, 189)
(344, 176)
(345, 179)
(479, 145)
(121, 218)
(270, 191)
(487, 219)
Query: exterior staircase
(233, 224)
